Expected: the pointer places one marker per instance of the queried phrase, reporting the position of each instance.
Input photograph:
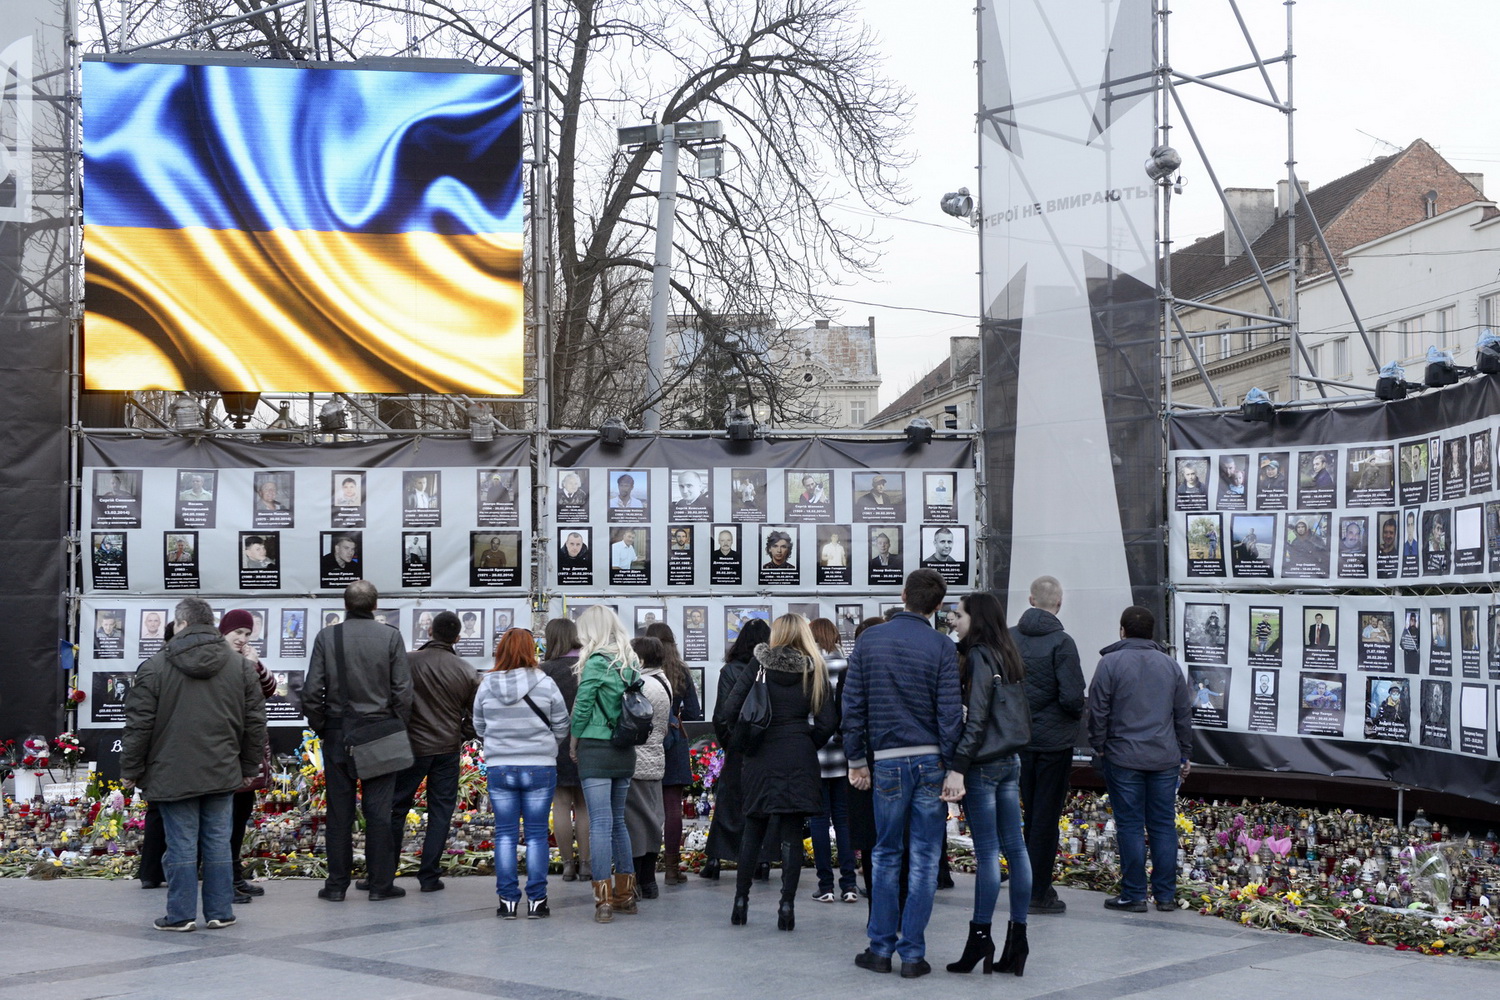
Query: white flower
(1358, 894)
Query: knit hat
(238, 618)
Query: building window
(1444, 335)
(1489, 312)
(1224, 342)
(856, 412)
(1338, 358)
(1409, 333)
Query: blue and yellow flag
(274, 228)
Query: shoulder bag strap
(539, 713)
(338, 676)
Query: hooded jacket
(514, 734)
(1054, 680)
(195, 719)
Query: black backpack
(633, 727)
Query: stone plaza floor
(70, 939)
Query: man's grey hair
(361, 595)
(1046, 593)
(193, 611)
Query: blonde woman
(782, 783)
(606, 665)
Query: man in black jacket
(371, 677)
(1054, 691)
(442, 718)
(195, 723)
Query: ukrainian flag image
(270, 227)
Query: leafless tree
(808, 117)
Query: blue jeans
(907, 791)
(1144, 802)
(441, 773)
(992, 801)
(198, 829)
(608, 838)
(835, 808)
(521, 794)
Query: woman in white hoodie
(520, 715)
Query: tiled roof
(1199, 270)
(941, 377)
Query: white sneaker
(824, 897)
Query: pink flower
(1281, 848)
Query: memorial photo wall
(1422, 672)
(221, 517)
(705, 524)
(1417, 508)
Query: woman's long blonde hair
(601, 631)
(791, 630)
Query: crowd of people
(875, 747)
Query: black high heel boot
(980, 945)
(1013, 955)
(710, 869)
(786, 915)
(739, 915)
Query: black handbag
(755, 714)
(377, 746)
(1009, 717)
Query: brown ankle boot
(623, 899)
(672, 865)
(603, 911)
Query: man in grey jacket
(1140, 726)
(443, 686)
(359, 664)
(1054, 692)
(195, 723)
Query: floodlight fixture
(959, 204)
(919, 431)
(1441, 370)
(186, 416)
(481, 423)
(739, 425)
(333, 417)
(1487, 353)
(639, 135)
(1163, 162)
(240, 406)
(613, 432)
(950, 417)
(1391, 384)
(1258, 407)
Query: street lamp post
(710, 162)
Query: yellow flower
(1184, 825)
(1439, 943)
(1294, 897)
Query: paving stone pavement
(72, 939)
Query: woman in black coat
(729, 819)
(782, 782)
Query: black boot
(763, 872)
(980, 945)
(645, 876)
(710, 869)
(1013, 955)
(739, 915)
(791, 873)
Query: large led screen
(267, 227)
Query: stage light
(739, 425)
(1258, 407)
(240, 406)
(1392, 383)
(186, 416)
(919, 431)
(1441, 370)
(1487, 353)
(613, 432)
(332, 417)
(959, 204)
(950, 417)
(1164, 160)
(481, 423)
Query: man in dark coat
(373, 679)
(1054, 692)
(442, 719)
(195, 724)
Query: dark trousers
(1044, 788)
(787, 830)
(244, 805)
(671, 804)
(375, 796)
(153, 846)
(440, 771)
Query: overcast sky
(1370, 76)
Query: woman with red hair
(520, 714)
